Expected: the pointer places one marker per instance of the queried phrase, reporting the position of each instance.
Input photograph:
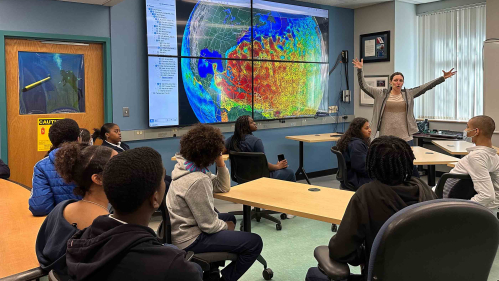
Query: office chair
(31, 274)
(248, 166)
(341, 176)
(209, 262)
(464, 182)
(426, 241)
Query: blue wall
(129, 58)
(48, 16)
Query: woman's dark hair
(77, 162)
(84, 135)
(390, 160)
(396, 73)
(202, 145)
(64, 130)
(353, 131)
(101, 133)
(241, 129)
(132, 177)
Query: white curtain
(451, 39)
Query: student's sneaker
(289, 216)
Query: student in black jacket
(354, 145)
(390, 164)
(110, 134)
(4, 170)
(82, 164)
(122, 246)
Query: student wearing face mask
(481, 163)
(393, 112)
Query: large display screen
(213, 61)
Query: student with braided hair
(81, 164)
(389, 163)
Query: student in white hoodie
(196, 226)
(482, 164)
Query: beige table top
(292, 198)
(316, 137)
(19, 230)
(429, 157)
(224, 156)
(456, 147)
(452, 165)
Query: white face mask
(465, 136)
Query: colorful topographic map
(285, 75)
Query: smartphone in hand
(280, 157)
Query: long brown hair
(354, 131)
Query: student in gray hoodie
(196, 226)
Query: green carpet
(289, 252)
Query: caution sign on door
(43, 133)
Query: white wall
(376, 18)
(405, 50)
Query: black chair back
(248, 166)
(465, 182)
(165, 228)
(341, 175)
(443, 239)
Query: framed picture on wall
(378, 81)
(375, 47)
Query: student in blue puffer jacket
(48, 186)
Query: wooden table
(19, 230)
(224, 156)
(456, 147)
(292, 198)
(311, 139)
(452, 165)
(431, 158)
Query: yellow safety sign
(44, 125)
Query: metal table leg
(246, 218)
(432, 175)
(301, 170)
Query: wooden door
(22, 129)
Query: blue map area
(205, 66)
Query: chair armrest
(439, 189)
(30, 274)
(333, 269)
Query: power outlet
(126, 112)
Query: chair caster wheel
(283, 216)
(278, 227)
(334, 228)
(268, 274)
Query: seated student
(196, 226)
(110, 134)
(244, 141)
(85, 136)
(121, 246)
(83, 165)
(389, 164)
(354, 145)
(49, 189)
(4, 170)
(482, 164)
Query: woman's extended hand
(449, 74)
(358, 64)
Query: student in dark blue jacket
(354, 145)
(4, 170)
(49, 189)
(243, 140)
(110, 134)
(83, 165)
